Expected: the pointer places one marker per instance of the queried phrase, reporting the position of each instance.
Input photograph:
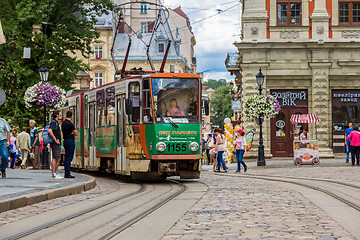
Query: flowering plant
(261, 105)
(45, 94)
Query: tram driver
(174, 110)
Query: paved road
(240, 208)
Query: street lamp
(44, 75)
(261, 155)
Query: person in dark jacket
(69, 133)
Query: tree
(221, 105)
(215, 84)
(55, 31)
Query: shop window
(288, 12)
(98, 52)
(349, 12)
(280, 125)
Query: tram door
(121, 164)
(92, 135)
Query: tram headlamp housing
(194, 146)
(160, 146)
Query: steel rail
(74, 215)
(333, 195)
(140, 215)
(310, 179)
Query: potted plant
(45, 94)
(261, 106)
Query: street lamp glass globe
(44, 73)
(260, 78)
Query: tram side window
(110, 106)
(100, 103)
(77, 113)
(147, 102)
(86, 114)
(134, 94)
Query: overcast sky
(214, 36)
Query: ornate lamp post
(44, 75)
(261, 155)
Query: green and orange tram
(144, 126)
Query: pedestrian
(4, 144)
(240, 149)
(69, 133)
(220, 148)
(355, 145)
(55, 134)
(347, 142)
(209, 145)
(13, 149)
(23, 144)
(35, 144)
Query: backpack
(46, 136)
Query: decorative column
(321, 101)
(320, 21)
(250, 87)
(254, 20)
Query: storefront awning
(304, 118)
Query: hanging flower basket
(45, 94)
(261, 105)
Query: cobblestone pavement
(254, 209)
(103, 186)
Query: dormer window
(143, 8)
(289, 12)
(161, 47)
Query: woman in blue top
(347, 142)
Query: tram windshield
(176, 99)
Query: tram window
(100, 116)
(147, 117)
(77, 112)
(176, 98)
(110, 106)
(134, 94)
(86, 113)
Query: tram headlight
(194, 146)
(160, 146)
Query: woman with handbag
(220, 147)
(240, 149)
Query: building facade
(309, 54)
(140, 18)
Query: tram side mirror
(207, 108)
(128, 106)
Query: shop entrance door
(282, 132)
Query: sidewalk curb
(32, 198)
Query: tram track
(130, 212)
(140, 215)
(75, 215)
(285, 179)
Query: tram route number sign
(176, 147)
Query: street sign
(2, 97)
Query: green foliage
(221, 105)
(215, 84)
(70, 31)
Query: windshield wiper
(168, 119)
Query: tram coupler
(167, 167)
